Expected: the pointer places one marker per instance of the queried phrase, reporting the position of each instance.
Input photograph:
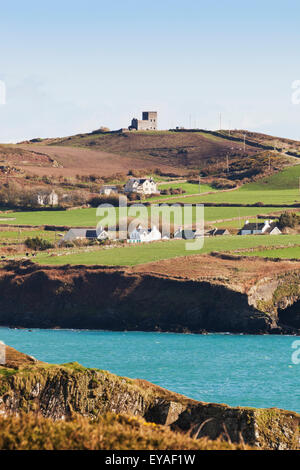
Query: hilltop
(78, 166)
(108, 153)
(289, 146)
(47, 406)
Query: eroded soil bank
(196, 293)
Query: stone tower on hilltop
(147, 123)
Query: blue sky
(71, 66)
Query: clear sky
(71, 66)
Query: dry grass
(109, 432)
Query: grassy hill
(286, 179)
(111, 152)
(279, 188)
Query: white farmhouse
(268, 227)
(141, 186)
(141, 234)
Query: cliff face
(216, 295)
(70, 390)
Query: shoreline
(206, 333)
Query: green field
(87, 217)
(14, 236)
(189, 189)
(286, 179)
(280, 188)
(292, 252)
(144, 253)
(244, 195)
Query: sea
(239, 370)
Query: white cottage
(141, 234)
(141, 186)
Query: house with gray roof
(218, 232)
(85, 234)
(268, 227)
(187, 234)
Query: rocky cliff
(197, 293)
(70, 390)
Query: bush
(112, 199)
(134, 197)
(38, 244)
(288, 219)
(223, 184)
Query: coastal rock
(70, 390)
(189, 294)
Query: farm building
(268, 227)
(85, 234)
(141, 186)
(141, 234)
(187, 234)
(108, 189)
(218, 232)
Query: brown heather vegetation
(109, 153)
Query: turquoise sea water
(239, 370)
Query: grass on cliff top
(144, 253)
(109, 432)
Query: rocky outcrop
(147, 298)
(70, 390)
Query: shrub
(134, 197)
(112, 199)
(288, 219)
(38, 244)
(223, 184)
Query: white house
(47, 199)
(141, 234)
(268, 227)
(108, 189)
(85, 234)
(141, 186)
